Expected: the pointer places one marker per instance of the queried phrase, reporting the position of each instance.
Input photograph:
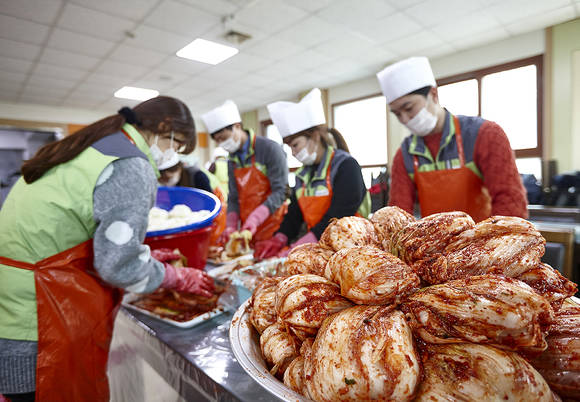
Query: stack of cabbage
(434, 309)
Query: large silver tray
(246, 347)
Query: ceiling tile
(8, 96)
(43, 81)
(431, 13)
(134, 10)
(74, 42)
(41, 99)
(510, 11)
(467, 25)
(309, 5)
(344, 45)
(48, 70)
(439, 51)
(89, 95)
(43, 91)
(246, 62)
(365, 12)
(270, 16)
(182, 66)
(542, 20)
(390, 28)
(479, 39)
(182, 19)
(9, 86)
(18, 50)
(216, 7)
(258, 80)
(217, 34)
(345, 67)
(13, 65)
(220, 75)
(274, 49)
(97, 87)
(14, 78)
(414, 44)
(159, 80)
(44, 11)
(68, 59)
(109, 81)
(375, 57)
(21, 30)
(280, 70)
(309, 32)
(156, 39)
(80, 103)
(128, 71)
(309, 59)
(403, 5)
(138, 56)
(94, 23)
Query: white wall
(514, 48)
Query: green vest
(309, 183)
(46, 217)
(239, 163)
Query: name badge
(321, 191)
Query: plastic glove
(188, 280)
(256, 218)
(232, 219)
(307, 238)
(271, 247)
(165, 255)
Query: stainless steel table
(151, 360)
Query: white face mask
(423, 123)
(231, 145)
(305, 157)
(163, 158)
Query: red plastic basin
(193, 244)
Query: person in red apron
(328, 185)
(258, 175)
(71, 234)
(450, 163)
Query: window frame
(361, 98)
(478, 75)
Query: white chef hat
(402, 78)
(291, 118)
(222, 116)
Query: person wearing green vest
(71, 240)
(328, 185)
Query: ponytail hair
(157, 115)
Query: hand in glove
(165, 255)
(307, 238)
(256, 218)
(271, 247)
(188, 280)
(231, 226)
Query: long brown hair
(328, 136)
(157, 115)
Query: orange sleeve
(402, 192)
(496, 161)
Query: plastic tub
(191, 240)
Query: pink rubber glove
(256, 218)
(164, 255)
(188, 280)
(307, 238)
(232, 219)
(271, 247)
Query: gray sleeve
(123, 196)
(233, 203)
(277, 166)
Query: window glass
(363, 124)
(510, 99)
(460, 97)
(530, 166)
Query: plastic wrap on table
(196, 364)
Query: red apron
(253, 189)
(219, 223)
(76, 311)
(314, 207)
(453, 189)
